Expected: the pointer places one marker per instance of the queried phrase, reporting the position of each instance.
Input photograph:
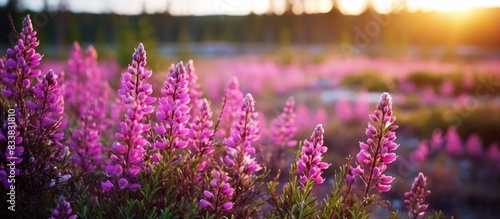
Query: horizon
(242, 8)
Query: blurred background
(440, 59)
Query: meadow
(248, 136)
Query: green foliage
(371, 81)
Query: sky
(244, 7)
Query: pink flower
(309, 165)
(376, 153)
(474, 145)
(416, 197)
(283, 127)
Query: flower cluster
(85, 142)
(21, 61)
(128, 150)
(239, 144)
(47, 110)
(309, 166)
(453, 145)
(200, 132)
(375, 154)
(63, 210)
(220, 193)
(283, 127)
(415, 199)
(173, 111)
(194, 87)
(234, 99)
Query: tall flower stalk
(415, 199)
(239, 148)
(376, 153)
(173, 111)
(283, 127)
(310, 165)
(128, 149)
(234, 99)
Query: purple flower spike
(63, 210)
(194, 88)
(21, 62)
(85, 142)
(309, 166)
(128, 149)
(219, 194)
(283, 127)
(22, 59)
(200, 132)
(234, 99)
(238, 146)
(173, 111)
(47, 109)
(376, 153)
(415, 199)
(453, 145)
(474, 145)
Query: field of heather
(245, 136)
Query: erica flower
(415, 199)
(21, 61)
(376, 153)
(239, 144)
(63, 210)
(309, 166)
(474, 145)
(437, 139)
(173, 111)
(200, 132)
(128, 149)
(234, 99)
(85, 142)
(421, 152)
(47, 110)
(283, 127)
(219, 193)
(453, 144)
(194, 87)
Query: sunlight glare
(352, 7)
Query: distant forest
(479, 28)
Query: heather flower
(344, 110)
(85, 142)
(474, 145)
(194, 88)
(234, 99)
(128, 149)
(309, 166)
(494, 152)
(219, 194)
(173, 111)
(421, 152)
(21, 61)
(415, 199)
(283, 128)
(376, 153)
(63, 210)
(437, 139)
(200, 132)
(85, 87)
(238, 145)
(453, 145)
(47, 110)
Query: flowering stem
(374, 162)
